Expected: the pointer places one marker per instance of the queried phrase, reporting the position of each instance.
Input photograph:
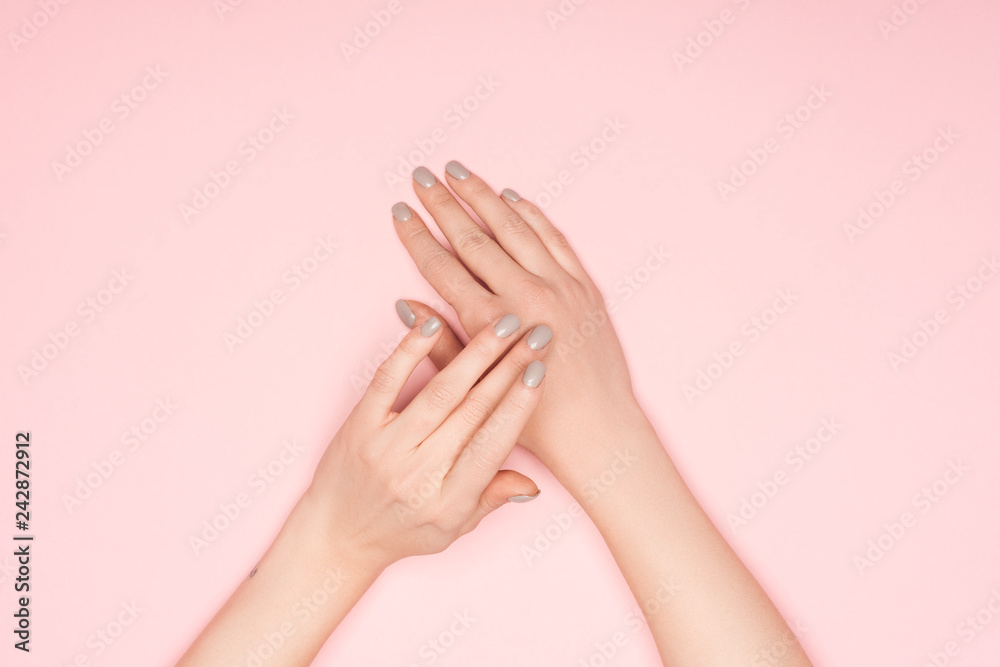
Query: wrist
(323, 547)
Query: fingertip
(405, 313)
(430, 327)
(524, 498)
(534, 374)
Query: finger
(429, 408)
(448, 345)
(482, 457)
(513, 234)
(508, 486)
(441, 268)
(392, 374)
(553, 240)
(471, 243)
(451, 438)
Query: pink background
(683, 128)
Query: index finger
(482, 457)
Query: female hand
(389, 485)
(395, 484)
(526, 266)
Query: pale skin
(389, 485)
(702, 605)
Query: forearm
(299, 592)
(702, 604)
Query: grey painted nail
(524, 499)
(456, 170)
(534, 373)
(405, 313)
(430, 326)
(401, 211)
(424, 177)
(539, 337)
(510, 195)
(507, 325)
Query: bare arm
(588, 420)
(389, 485)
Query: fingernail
(507, 325)
(430, 326)
(456, 170)
(510, 195)
(406, 313)
(401, 211)
(524, 499)
(539, 337)
(534, 373)
(424, 177)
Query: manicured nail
(456, 170)
(539, 337)
(430, 326)
(510, 195)
(406, 313)
(507, 325)
(424, 177)
(524, 499)
(534, 373)
(401, 211)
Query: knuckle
(477, 187)
(440, 396)
(535, 296)
(439, 198)
(512, 223)
(476, 410)
(437, 263)
(383, 381)
(472, 240)
(558, 239)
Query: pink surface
(627, 130)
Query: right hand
(529, 269)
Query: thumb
(506, 486)
(448, 345)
